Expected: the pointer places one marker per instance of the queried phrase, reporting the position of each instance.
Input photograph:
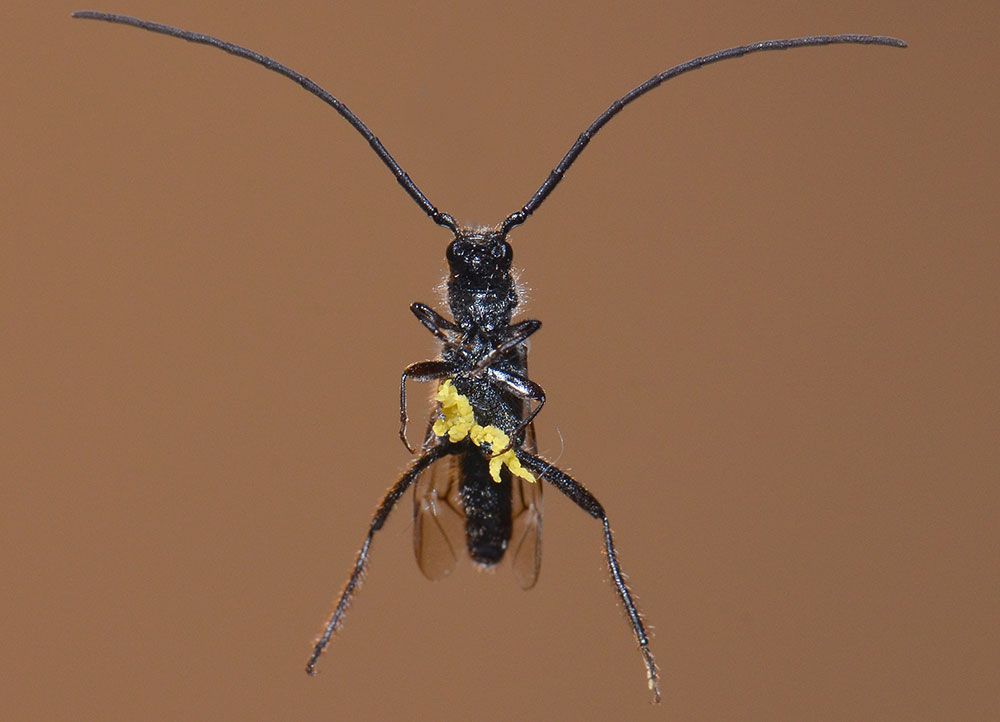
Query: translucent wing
(525, 550)
(438, 519)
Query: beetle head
(479, 259)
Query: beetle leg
(522, 388)
(420, 371)
(589, 503)
(514, 336)
(358, 572)
(435, 322)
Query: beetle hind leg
(579, 494)
(361, 563)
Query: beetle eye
(497, 250)
(456, 250)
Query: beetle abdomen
(487, 506)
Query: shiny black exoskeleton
(482, 351)
(486, 359)
(484, 356)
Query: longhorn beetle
(478, 471)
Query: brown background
(770, 348)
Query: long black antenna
(442, 219)
(519, 217)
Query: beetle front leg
(513, 336)
(435, 322)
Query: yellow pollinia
(458, 421)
